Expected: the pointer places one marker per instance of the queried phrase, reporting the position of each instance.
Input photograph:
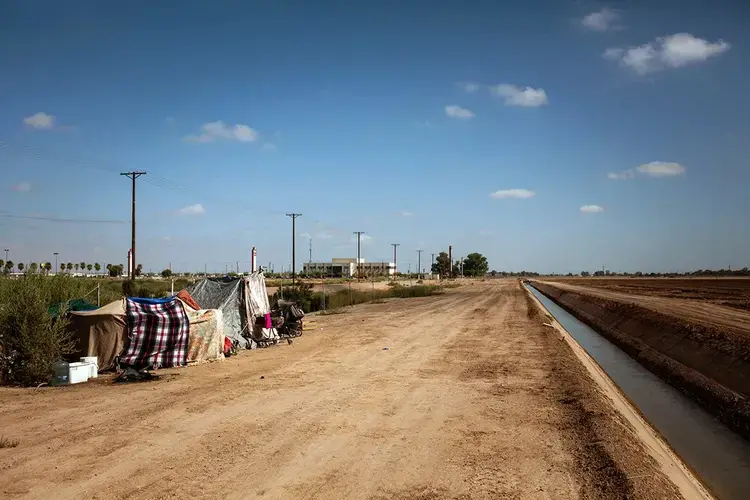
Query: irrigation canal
(718, 456)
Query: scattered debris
(386, 348)
(8, 443)
(131, 375)
(262, 377)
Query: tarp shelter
(158, 333)
(188, 299)
(70, 306)
(101, 333)
(241, 301)
(206, 341)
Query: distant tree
(139, 269)
(493, 273)
(599, 273)
(48, 266)
(83, 266)
(97, 267)
(70, 266)
(33, 267)
(9, 266)
(475, 264)
(2, 264)
(62, 266)
(166, 273)
(585, 274)
(114, 270)
(89, 267)
(76, 266)
(442, 265)
(20, 267)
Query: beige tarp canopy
(101, 333)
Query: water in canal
(718, 456)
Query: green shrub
(30, 339)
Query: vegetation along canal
(719, 457)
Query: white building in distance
(347, 268)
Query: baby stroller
(287, 319)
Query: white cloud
(512, 193)
(22, 187)
(661, 169)
(458, 112)
(469, 87)
(603, 20)
(486, 232)
(323, 235)
(40, 121)
(591, 209)
(653, 169)
(405, 213)
(365, 237)
(621, 176)
(219, 130)
(196, 209)
(527, 97)
(673, 51)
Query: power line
(133, 176)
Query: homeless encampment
(241, 301)
(158, 333)
(206, 341)
(101, 333)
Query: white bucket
(93, 361)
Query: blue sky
(553, 136)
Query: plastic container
(93, 363)
(78, 372)
(61, 373)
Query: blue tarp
(143, 300)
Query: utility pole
(133, 176)
(359, 234)
(432, 263)
(56, 254)
(395, 261)
(6, 254)
(419, 261)
(294, 255)
(310, 261)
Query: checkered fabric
(158, 334)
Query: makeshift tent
(100, 333)
(206, 341)
(241, 301)
(188, 299)
(71, 305)
(158, 333)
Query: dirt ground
(732, 292)
(702, 306)
(473, 398)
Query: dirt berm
(709, 365)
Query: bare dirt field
(732, 292)
(474, 398)
(715, 302)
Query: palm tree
(20, 267)
(47, 266)
(2, 263)
(83, 266)
(33, 267)
(9, 266)
(89, 267)
(62, 266)
(70, 266)
(76, 267)
(97, 267)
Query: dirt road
(702, 312)
(474, 398)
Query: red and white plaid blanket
(158, 334)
